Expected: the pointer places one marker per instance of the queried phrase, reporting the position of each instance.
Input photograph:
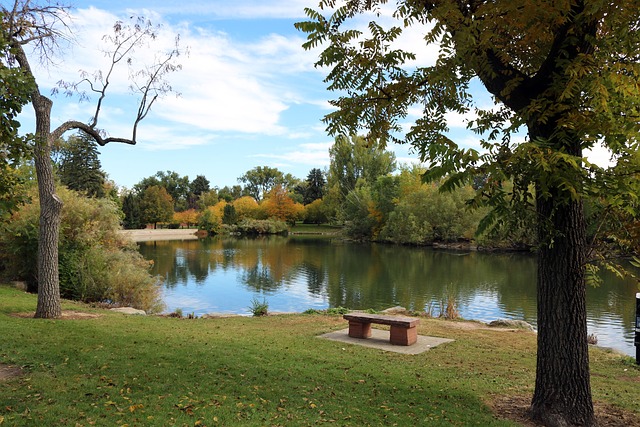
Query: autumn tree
(188, 218)
(36, 27)
(565, 71)
(246, 207)
(177, 186)
(316, 212)
(279, 205)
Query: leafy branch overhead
(567, 70)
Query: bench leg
(359, 329)
(403, 336)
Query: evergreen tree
(132, 212)
(230, 216)
(199, 185)
(79, 167)
(315, 186)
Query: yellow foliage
(279, 205)
(246, 207)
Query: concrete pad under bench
(380, 339)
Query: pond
(293, 274)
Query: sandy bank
(149, 235)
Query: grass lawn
(116, 370)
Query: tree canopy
(260, 180)
(156, 205)
(566, 71)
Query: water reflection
(224, 274)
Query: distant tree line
(363, 190)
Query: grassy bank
(138, 371)
(301, 228)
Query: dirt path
(148, 235)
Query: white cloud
(312, 154)
(225, 85)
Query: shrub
(259, 308)
(337, 310)
(261, 226)
(95, 263)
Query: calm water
(293, 274)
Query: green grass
(262, 371)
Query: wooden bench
(403, 329)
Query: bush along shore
(98, 367)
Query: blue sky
(250, 95)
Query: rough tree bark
(50, 214)
(562, 395)
(562, 391)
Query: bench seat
(403, 329)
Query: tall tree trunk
(50, 215)
(562, 394)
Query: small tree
(27, 23)
(209, 220)
(279, 205)
(230, 216)
(316, 212)
(246, 207)
(188, 218)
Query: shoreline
(149, 234)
